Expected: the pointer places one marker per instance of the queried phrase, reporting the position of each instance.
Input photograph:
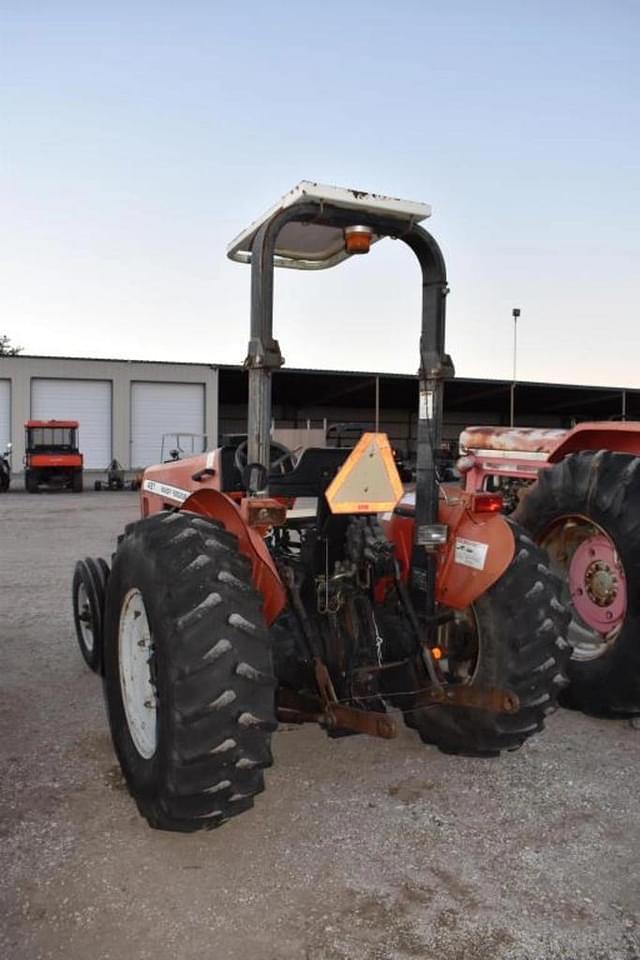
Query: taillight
(264, 512)
(486, 503)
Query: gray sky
(138, 138)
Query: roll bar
(435, 366)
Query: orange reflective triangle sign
(368, 481)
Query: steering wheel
(284, 463)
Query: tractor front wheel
(585, 512)
(188, 675)
(88, 596)
(511, 639)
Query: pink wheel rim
(597, 584)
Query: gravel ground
(359, 849)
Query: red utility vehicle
(577, 492)
(52, 457)
(261, 586)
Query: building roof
(303, 387)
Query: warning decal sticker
(471, 553)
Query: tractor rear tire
(521, 627)
(193, 744)
(603, 489)
(76, 481)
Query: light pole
(515, 313)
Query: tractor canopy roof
(318, 242)
(65, 424)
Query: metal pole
(515, 313)
(435, 368)
(264, 355)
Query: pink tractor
(577, 493)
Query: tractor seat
(312, 474)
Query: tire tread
(207, 596)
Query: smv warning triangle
(368, 481)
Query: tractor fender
(479, 548)
(621, 437)
(218, 506)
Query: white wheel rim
(85, 619)
(135, 648)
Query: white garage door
(5, 414)
(88, 402)
(158, 408)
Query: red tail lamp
(486, 503)
(358, 239)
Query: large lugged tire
(192, 729)
(76, 481)
(585, 511)
(521, 629)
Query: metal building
(125, 406)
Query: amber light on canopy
(358, 239)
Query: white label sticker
(165, 490)
(425, 405)
(470, 553)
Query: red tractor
(577, 493)
(261, 586)
(52, 457)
